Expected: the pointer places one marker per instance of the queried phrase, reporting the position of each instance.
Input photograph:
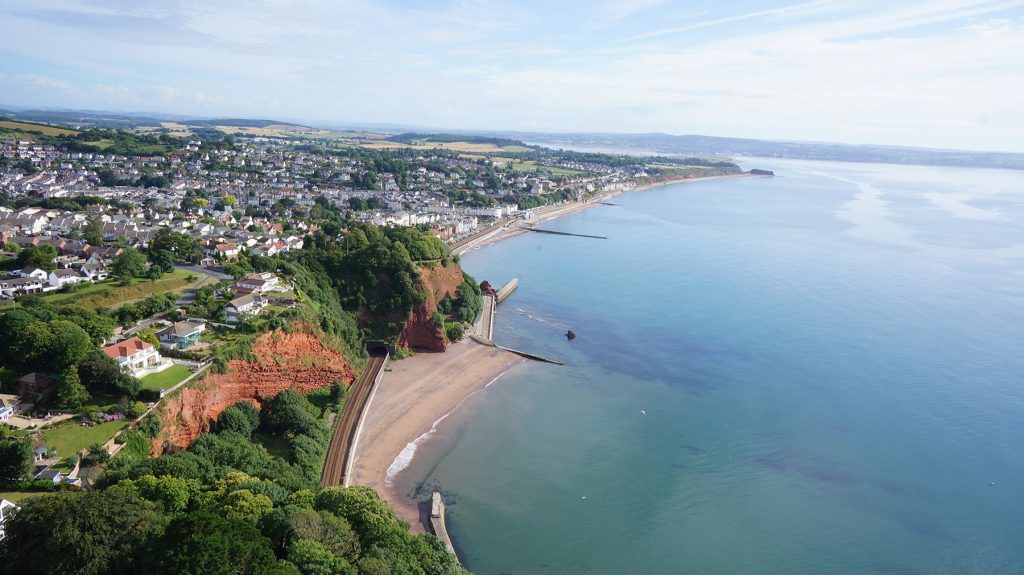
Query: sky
(933, 73)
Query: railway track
(346, 435)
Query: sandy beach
(419, 391)
(411, 397)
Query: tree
(98, 454)
(99, 327)
(15, 460)
(236, 271)
(36, 257)
(71, 392)
(128, 264)
(87, 532)
(154, 273)
(313, 559)
(204, 543)
(12, 247)
(67, 344)
(100, 373)
(246, 506)
(149, 337)
(229, 200)
(288, 412)
(92, 233)
(241, 418)
(181, 246)
(162, 259)
(334, 533)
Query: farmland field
(30, 127)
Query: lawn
(166, 379)
(110, 294)
(69, 438)
(16, 496)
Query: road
(346, 434)
(188, 297)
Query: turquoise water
(816, 373)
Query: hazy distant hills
(649, 143)
(704, 145)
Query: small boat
(570, 334)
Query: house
(257, 283)
(137, 357)
(243, 307)
(95, 272)
(64, 278)
(34, 387)
(7, 509)
(226, 251)
(183, 334)
(20, 286)
(32, 272)
(9, 405)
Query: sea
(816, 373)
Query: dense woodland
(224, 506)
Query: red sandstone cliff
(420, 331)
(284, 360)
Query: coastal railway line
(342, 450)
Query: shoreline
(548, 213)
(417, 394)
(414, 398)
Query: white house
(6, 510)
(136, 357)
(9, 405)
(258, 283)
(62, 278)
(95, 272)
(20, 286)
(243, 307)
(32, 272)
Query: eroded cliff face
(283, 360)
(420, 331)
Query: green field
(68, 438)
(166, 379)
(30, 127)
(110, 294)
(531, 165)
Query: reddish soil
(297, 360)
(420, 332)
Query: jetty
(487, 318)
(506, 290)
(342, 450)
(437, 522)
(543, 231)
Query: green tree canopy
(129, 264)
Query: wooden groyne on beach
(342, 450)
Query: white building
(137, 357)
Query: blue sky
(928, 73)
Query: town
(132, 262)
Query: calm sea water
(816, 373)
